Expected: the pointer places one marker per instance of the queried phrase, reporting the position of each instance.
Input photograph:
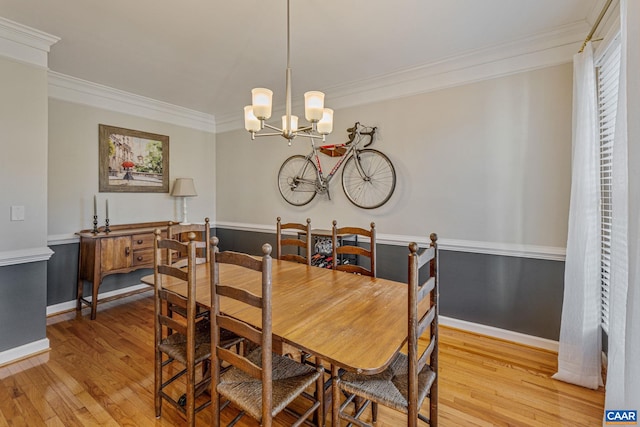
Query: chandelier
(255, 115)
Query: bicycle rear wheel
(297, 180)
(371, 184)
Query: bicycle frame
(322, 182)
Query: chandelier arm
(268, 134)
(267, 125)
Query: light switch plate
(17, 213)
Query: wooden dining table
(354, 322)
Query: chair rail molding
(550, 253)
(25, 44)
(24, 256)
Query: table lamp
(183, 187)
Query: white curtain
(579, 355)
(623, 373)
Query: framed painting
(132, 161)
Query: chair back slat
(425, 289)
(298, 242)
(176, 272)
(239, 259)
(240, 362)
(240, 329)
(173, 298)
(240, 295)
(426, 353)
(353, 250)
(426, 321)
(173, 324)
(364, 239)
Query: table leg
(335, 401)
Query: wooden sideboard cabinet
(125, 248)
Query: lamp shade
(183, 187)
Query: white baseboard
(71, 305)
(502, 334)
(23, 351)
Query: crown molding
(72, 89)
(23, 256)
(25, 44)
(531, 53)
(549, 253)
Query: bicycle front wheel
(297, 180)
(368, 179)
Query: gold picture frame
(132, 161)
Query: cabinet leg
(80, 294)
(94, 299)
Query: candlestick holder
(106, 226)
(95, 224)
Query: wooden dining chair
(180, 231)
(298, 243)
(261, 384)
(343, 248)
(412, 377)
(184, 340)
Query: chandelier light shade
(256, 114)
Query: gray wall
(22, 304)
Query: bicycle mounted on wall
(368, 176)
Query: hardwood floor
(100, 372)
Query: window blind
(608, 72)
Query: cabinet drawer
(142, 257)
(142, 241)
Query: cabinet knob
(140, 241)
(127, 251)
(140, 258)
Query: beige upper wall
(73, 170)
(23, 164)
(487, 162)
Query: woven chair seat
(290, 378)
(390, 387)
(175, 345)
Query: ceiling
(207, 55)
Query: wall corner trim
(503, 334)
(23, 256)
(24, 351)
(25, 44)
